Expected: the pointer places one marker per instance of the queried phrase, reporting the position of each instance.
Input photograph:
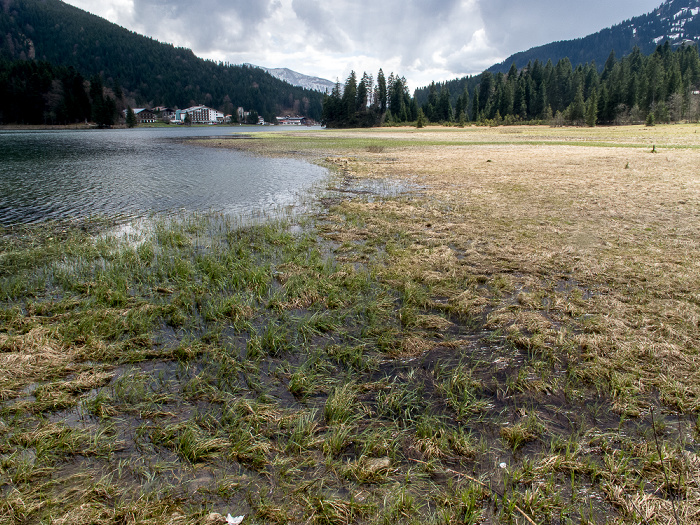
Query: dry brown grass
(30, 357)
(578, 248)
(618, 223)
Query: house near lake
(199, 115)
(204, 115)
(291, 121)
(144, 116)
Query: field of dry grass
(580, 246)
(475, 326)
(547, 214)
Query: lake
(132, 173)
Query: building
(198, 115)
(143, 116)
(291, 121)
(164, 113)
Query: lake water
(133, 173)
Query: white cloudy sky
(422, 40)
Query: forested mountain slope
(149, 72)
(661, 87)
(677, 21)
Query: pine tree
(577, 110)
(349, 98)
(475, 107)
(361, 96)
(444, 105)
(609, 65)
(332, 107)
(486, 91)
(592, 110)
(420, 121)
(131, 121)
(381, 92)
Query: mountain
(146, 71)
(677, 21)
(298, 79)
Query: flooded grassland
(476, 326)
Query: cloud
(117, 11)
(518, 26)
(408, 36)
(423, 40)
(321, 25)
(206, 25)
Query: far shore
(47, 127)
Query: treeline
(40, 93)
(661, 87)
(366, 103)
(149, 72)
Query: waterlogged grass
(514, 341)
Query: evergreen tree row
(664, 85)
(366, 104)
(40, 93)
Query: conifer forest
(662, 87)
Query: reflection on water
(132, 173)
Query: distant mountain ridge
(677, 21)
(299, 79)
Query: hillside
(149, 72)
(677, 21)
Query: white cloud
(118, 11)
(320, 26)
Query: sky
(422, 40)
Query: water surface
(132, 173)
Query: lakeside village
(207, 115)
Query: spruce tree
(475, 107)
(131, 121)
(577, 110)
(420, 121)
(444, 106)
(592, 110)
(381, 92)
(349, 99)
(462, 119)
(361, 96)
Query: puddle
(374, 188)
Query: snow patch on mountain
(299, 79)
(675, 17)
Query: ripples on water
(133, 173)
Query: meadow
(477, 325)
